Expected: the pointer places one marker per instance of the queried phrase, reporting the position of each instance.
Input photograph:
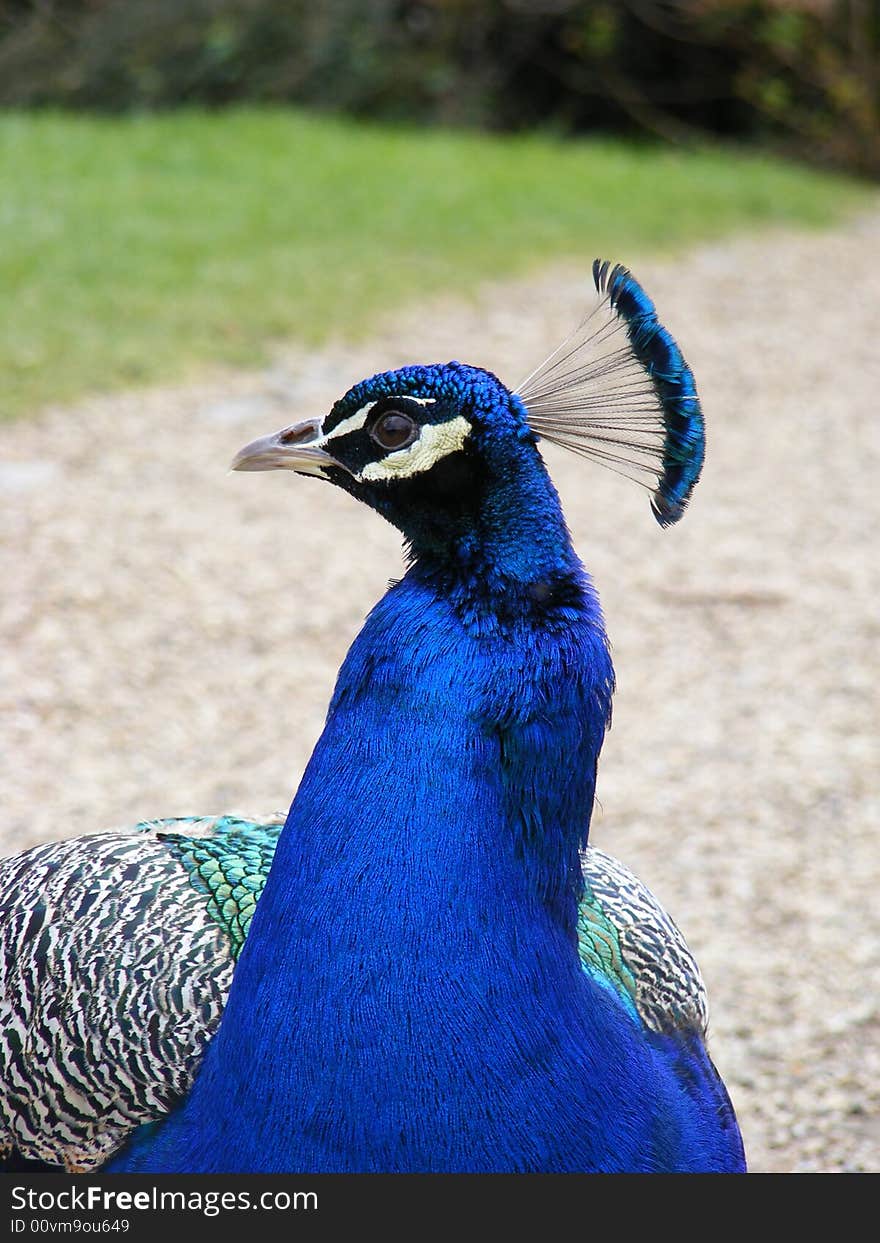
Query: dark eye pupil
(394, 430)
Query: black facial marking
(446, 495)
(392, 424)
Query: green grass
(135, 248)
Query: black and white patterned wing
(642, 952)
(113, 976)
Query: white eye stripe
(356, 421)
(437, 440)
(353, 423)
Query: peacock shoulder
(627, 939)
(116, 954)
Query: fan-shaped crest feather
(618, 390)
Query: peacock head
(426, 446)
(444, 450)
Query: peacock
(423, 967)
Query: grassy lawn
(135, 248)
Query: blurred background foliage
(173, 190)
(801, 74)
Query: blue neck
(493, 647)
(504, 530)
(418, 924)
(449, 717)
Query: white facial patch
(437, 440)
(353, 423)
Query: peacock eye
(395, 430)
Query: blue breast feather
(169, 903)
(387, 1016)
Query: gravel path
(171, 633)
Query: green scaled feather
(228, 859)
(600, 952)
(230, 867)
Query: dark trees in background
(802, 73)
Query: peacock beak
(293, 448)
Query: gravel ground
(171, 634)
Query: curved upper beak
(293, 448)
